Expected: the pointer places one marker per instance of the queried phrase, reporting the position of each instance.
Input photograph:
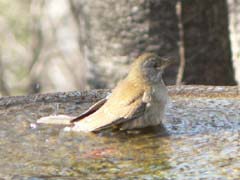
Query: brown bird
(137, 101)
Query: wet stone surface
(203, 143)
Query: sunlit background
(42, 45)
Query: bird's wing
(90, 110)
(125, 103)
(136, 110)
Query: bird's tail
(56, 119)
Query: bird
(138, 101)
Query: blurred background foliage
(62, 45)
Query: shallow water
(203, 143)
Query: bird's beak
(167, 62)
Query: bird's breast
(155, 108)
(159, 93)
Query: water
(203, 143)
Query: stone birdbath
(202, 122)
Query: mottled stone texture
(81, 97)
(207, 46)
(113, 33)
(202, 142)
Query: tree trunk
(207, 45)
(234, 26)
(113, 33)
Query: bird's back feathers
(130, 99)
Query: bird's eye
(155, 65)
(151, 63)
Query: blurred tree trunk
(3, 84)
(206, 43)
(164, 34)
(234, 26)
(113, 33)
(36, 45)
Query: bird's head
(149, 67)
